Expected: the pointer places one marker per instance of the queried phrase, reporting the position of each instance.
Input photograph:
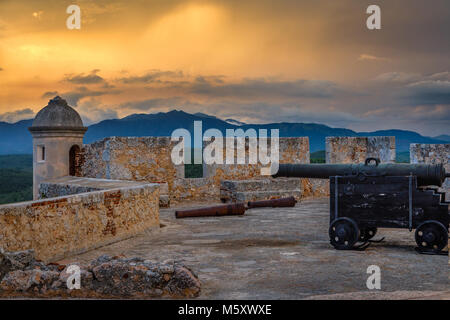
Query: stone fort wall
(353, 150)
(357, 149)
(149, 159)
(58, 227)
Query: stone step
(163, 188)
(260, 184)
(261, 195)
(164, 201)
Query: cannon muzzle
(427, 174)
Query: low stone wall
(194, 189)
(432, 153)
(67, 225)
(131, 158)
(260, 189)
(269, 188)
(357, 149)
(145, 159)
(69, 185)
(149, 159)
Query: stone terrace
(64, 186)
(284, 253)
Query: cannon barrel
(224, 210)
(274, 203)
(427, 174)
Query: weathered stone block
(357, 149)
(260, 189)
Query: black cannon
(364, 197)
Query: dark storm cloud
(218, 86)
(219, 79)
(429, 92)
(151, 76)
(250, 88)
(49, 94)
(149, 104)
(91, 78)
(397, 77)
(434, 118)
(406, 101)
(416, 89)
(265, 112)
(17, 115)
(73, 97)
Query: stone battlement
(357, 149)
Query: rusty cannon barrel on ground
(224, 210)
(273, 203)
(427, 174)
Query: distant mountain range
(443, 137)
(16, 139)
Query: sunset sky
(254, 61)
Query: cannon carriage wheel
(344, 233)
(367, 233)
(431, 236)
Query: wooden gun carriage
(364, 197)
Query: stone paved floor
(284, 253)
